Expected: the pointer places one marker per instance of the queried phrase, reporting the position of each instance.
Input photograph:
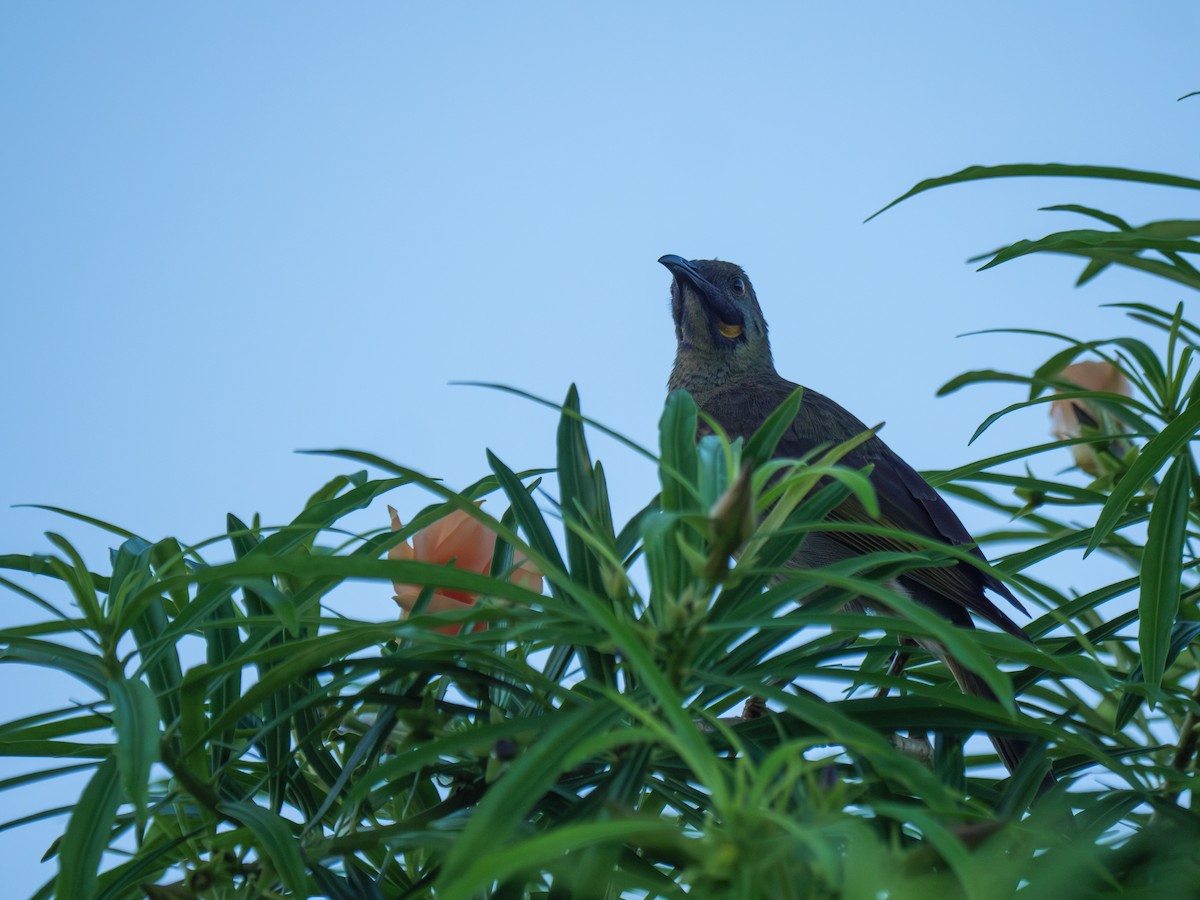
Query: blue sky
(229, 232)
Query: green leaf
(1105, 397)
(631, 532)
(282, 606)
(762, 444)
(74, 573)
(193, 723)
(78, 625)
(276, 839)
(41, 816)
(131, 575)
(1171, 228)
(86, 667)
(1161, 568)
(578, 493)
(678, 461)
(321, 514)
(80, 517)
(1030, 773)
(944, 479)
(873, 748)
(660, 551)
(1108, 218)
(528, 515)
(335, 486)
(262, 598)
(1182, 634)
(55, 749)
(286, 664)
(1046, 170)
(1090, 271)
(566, 743)
(962, 644)
(88, 832)
(556, 844)
(42, 775)
(983, 376)
(1083, 241)
(135, 718)
(1054, 491)
(1157, 451)
(1147, 359)
(130, 571)
(1176, 270)
(1051, 372)
(542, 401)
(153, 859)
(222, 643)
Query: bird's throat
(699, 373)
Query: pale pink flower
(469, 544)
(1075, 418)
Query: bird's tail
(1011, 749)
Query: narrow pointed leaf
(577, 487)
(677, 443)
(1152, 457)
(135, 717)
(763, 442)
(1162, 570)
(88, 832)
(1181, 635)
(1044, 170)
(507, 802)
(275, 839)
(532, 522)
(1108, 218)
(1084, 241)
(87, 667)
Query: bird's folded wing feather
(906, 501)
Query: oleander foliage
(242, 740)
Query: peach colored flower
(469, 544)
(1075, 418)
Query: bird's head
(718, 323)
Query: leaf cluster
(680, 713)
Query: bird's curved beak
(682, 268)
(714, 301)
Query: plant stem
(1189, 734)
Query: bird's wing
(906, 501)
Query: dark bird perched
(724, 361)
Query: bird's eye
(739, 286)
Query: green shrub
(243, 740)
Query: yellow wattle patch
(730, 331)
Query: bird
(723, 359)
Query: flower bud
(730, 523)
